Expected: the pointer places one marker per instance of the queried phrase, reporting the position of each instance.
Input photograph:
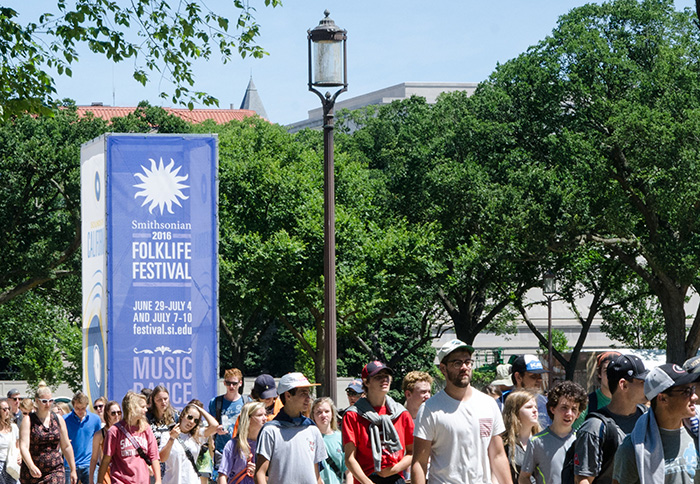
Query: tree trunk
(672, 301)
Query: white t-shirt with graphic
(460, 433)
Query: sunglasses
(5, 409)
(192, 418)
(16, 399)
(46, 400)
(687, 392)
(97, 407)
(230, 383)
(115, 412)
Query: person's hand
(250, 468)
(73, 477)
(221, 430)
(175, 432)
(34, 471)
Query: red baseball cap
(375, 367)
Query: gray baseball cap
(667, 376)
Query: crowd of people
(639, 426)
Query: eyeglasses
(97, 407)
(192, 418)
(687, 392)
(46, 400)
(230, 383)
(115, 412)
(16, 399)
(457, 364)
(5, 409)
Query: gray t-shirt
(680, 456)
(544, 457)
(588, 455)
(293, 451)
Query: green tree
(449, 166)
(160, 38)
(271, 263)
(610, 101)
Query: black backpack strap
(218, 405)
(335, 467)
(610, 440)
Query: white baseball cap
(293, 380)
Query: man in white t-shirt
(459, 429)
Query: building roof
(219, 116)
(252, 101)
(428, 90)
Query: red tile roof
(220, 116)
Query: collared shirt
(80, 432)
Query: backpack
(609, 445)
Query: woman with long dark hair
(130, 447)
(112, 414)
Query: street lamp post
(549, 288)
(328, 69)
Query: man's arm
(583, 479)
(419, 466)
(261, 465)
(499, 461)
(354, 466)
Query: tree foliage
(160, 37)
(610, 101)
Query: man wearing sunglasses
(13, 398)
(226, 408)
(662, 447)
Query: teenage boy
(661, 448)
(459, 429)
(290, 447)
(527, 373)
(544, 457)
(377, 431)
(226, 408)
(416, 386)
(594, 450)
(601, 396)
(81, 425)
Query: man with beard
(459, 429)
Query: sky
(389, 42)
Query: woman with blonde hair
(112, 414)
(130, 446)
(183, 444)
(9, 436)
(42, 438)
(520, 419)
(238, 459)
(325, 416)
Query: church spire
(252, 101)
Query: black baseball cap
(667, 376)
(626, 366)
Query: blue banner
(162, 265)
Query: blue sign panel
(161, 197)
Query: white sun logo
(161, 186)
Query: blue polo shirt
(80, 433)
